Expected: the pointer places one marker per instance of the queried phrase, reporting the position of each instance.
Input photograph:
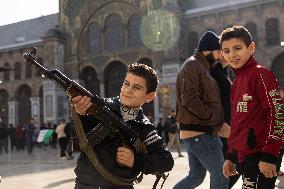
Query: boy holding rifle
(139, 87)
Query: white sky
(12, 11)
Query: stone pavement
(45, 170)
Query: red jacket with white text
(257, 116)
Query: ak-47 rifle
(110, 122)
(107, 117)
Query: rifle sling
(91, 154)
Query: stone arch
(114, 76)
(277, 68)
(91, 82)
(4, 107)
(252, 28)
(114, 32)
(272, 32)
(24, 94)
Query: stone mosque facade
(93, 42)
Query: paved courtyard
(45, 170)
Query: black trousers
(63, 145)
(252, 178)
(86, 186)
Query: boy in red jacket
(257, 121)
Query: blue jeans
(204, 154)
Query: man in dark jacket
(139, 87)
(220, 73)
(200, 114)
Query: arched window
(134, 39)
(4, 106)
(94, 39)
(24, 94)
(251, 26)
(7, 72)
(114, 33)
(278, 69)
(192, 42)
(272, 32)
(113, 81)
(18, 71)
(91, 82)
(28, 71)
(40, 61)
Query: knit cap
(209, 42)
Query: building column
(54, 103)
(13, 114)
(101, 84)
(167, 90)
(35, 107)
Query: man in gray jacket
(200, 114)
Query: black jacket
(159, 158)
(220, 75)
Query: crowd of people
(26, 138)
(231, 125)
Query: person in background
(4, 134)
(67, 131)
(20, 144)
(29, 133)
(257, 117)
(62, 140)
(160, 127)
(53, 141)
(220, 72)
(173, 130)
(12, 134)
(200, 115)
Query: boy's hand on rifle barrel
(81, 104)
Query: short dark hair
(239, 32)
(148, 73)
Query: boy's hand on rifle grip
(125, 157)
(81, 104)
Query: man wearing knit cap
(200, 115)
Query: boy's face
(236, 53)
(133, 92)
